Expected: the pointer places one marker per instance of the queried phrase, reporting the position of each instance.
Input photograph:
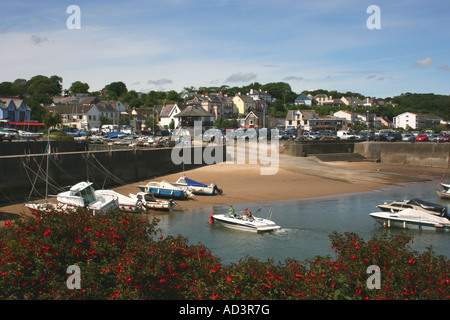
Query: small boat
(197, 187)
(165, 189)
(417, 204)
(444, 193)
(148, 201)
(83, 195)
(46, 206)
(412, 219)
(242, 222)
(128, 204)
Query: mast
(48, 156)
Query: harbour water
(305, 225)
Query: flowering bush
(123, 256)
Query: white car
(10, 134)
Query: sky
(173, 44)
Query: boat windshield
(88, 195)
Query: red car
(422, 137)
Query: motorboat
(444, 192)
(128, 204)
(83, 195)
(148, 201)
(412, 219)
(46, 206)
(165, 189)
(197, 187)
(243, 222)
(416, 204)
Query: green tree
(42, 85)
(151, 122)
(79, 87)
(115, 89)
(52, 119)
(124, 120)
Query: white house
(85, 116)
(169, 113)
(416, 121)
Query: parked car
(421, 137)
(10, 134)
(408, 137)
(393, 136)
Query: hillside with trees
(41, 90)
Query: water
(305, 225)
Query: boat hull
(443, 194)
(394, 220)
(257, 225)
(164, 193)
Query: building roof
(194, 111)
(246, 99)
(70, 109)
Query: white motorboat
(412, 219)
(148, 201)
(128, 204)
(444, 193)
(83, 195)
(48, 207)
(197, 187)
(417, 204)
(165, 189)
(242, 222)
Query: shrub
(122, 256)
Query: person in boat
(231, 211)
(248, 214)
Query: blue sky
(172, 44)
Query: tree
(52, 119)
(151, 122)
(124, 120)
(42, 85)
(104, 120)
(79, 87)
(116, 89)
(173, 96)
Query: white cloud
(424, 62)
(241, 77)
(444, 67)
(160, 82)
(294, 78)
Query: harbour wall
(106, 169)
(428, 154)
(304, 149)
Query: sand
(297, 178)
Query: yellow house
(243, 103)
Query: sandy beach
(297, 178)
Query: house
(326, 123)
(260, 95)
(85, 117)
(243, 103)
(218, 104)
(14, 110)
(303, 99)
(351, 101)
(416, 121)
(169, 113)
(254, 119)
(299, 119)
(193, 113)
